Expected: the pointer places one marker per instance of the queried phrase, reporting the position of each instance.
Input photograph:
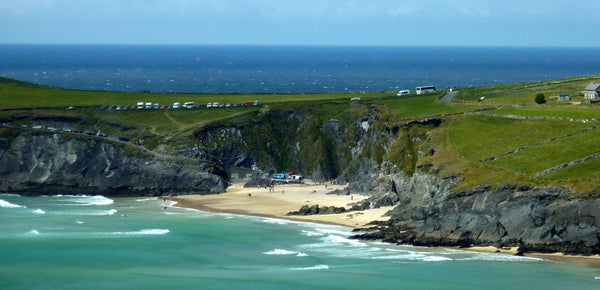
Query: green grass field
(481, 137)
(538, 158)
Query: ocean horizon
(214, 69)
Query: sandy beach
(284, 199)
(287, 198)
(588, 261)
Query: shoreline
(283, 199)
(262, 202)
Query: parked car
(70, 108)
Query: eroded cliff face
(429, 213)
(295, 140)
(50, 163)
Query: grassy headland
(503, 138)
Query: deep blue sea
(287, 69)
(86, 242)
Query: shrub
(540, 99)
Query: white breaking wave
(6, 204)
(498, 257)
(39, 211)
(436, 259)
(284, 252)
(85, 200)
(79, 222)
(145, 232)
(279, 252)
(311, 233)
(340, 240)
(147, 199)
(316, 267)
(333, 231)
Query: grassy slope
(461, 142)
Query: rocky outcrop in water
(49, 163)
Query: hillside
(504, 138)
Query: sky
(303, 22)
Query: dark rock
(315, 209)
(35, 164)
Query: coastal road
(448, 97)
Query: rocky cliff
(34, 163)
(541, 219)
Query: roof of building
(592, 86)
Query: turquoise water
(87, 242)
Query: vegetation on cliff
(503, 137)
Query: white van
(404, 93)
(140, 105)
(176, 105)
(189, 105)
(215, 104)
(148, 105)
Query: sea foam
(145, 232)
(39, 211)
(6, 204)
(316, 267)
(284, 252)
(147, 199)
(85, 200)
